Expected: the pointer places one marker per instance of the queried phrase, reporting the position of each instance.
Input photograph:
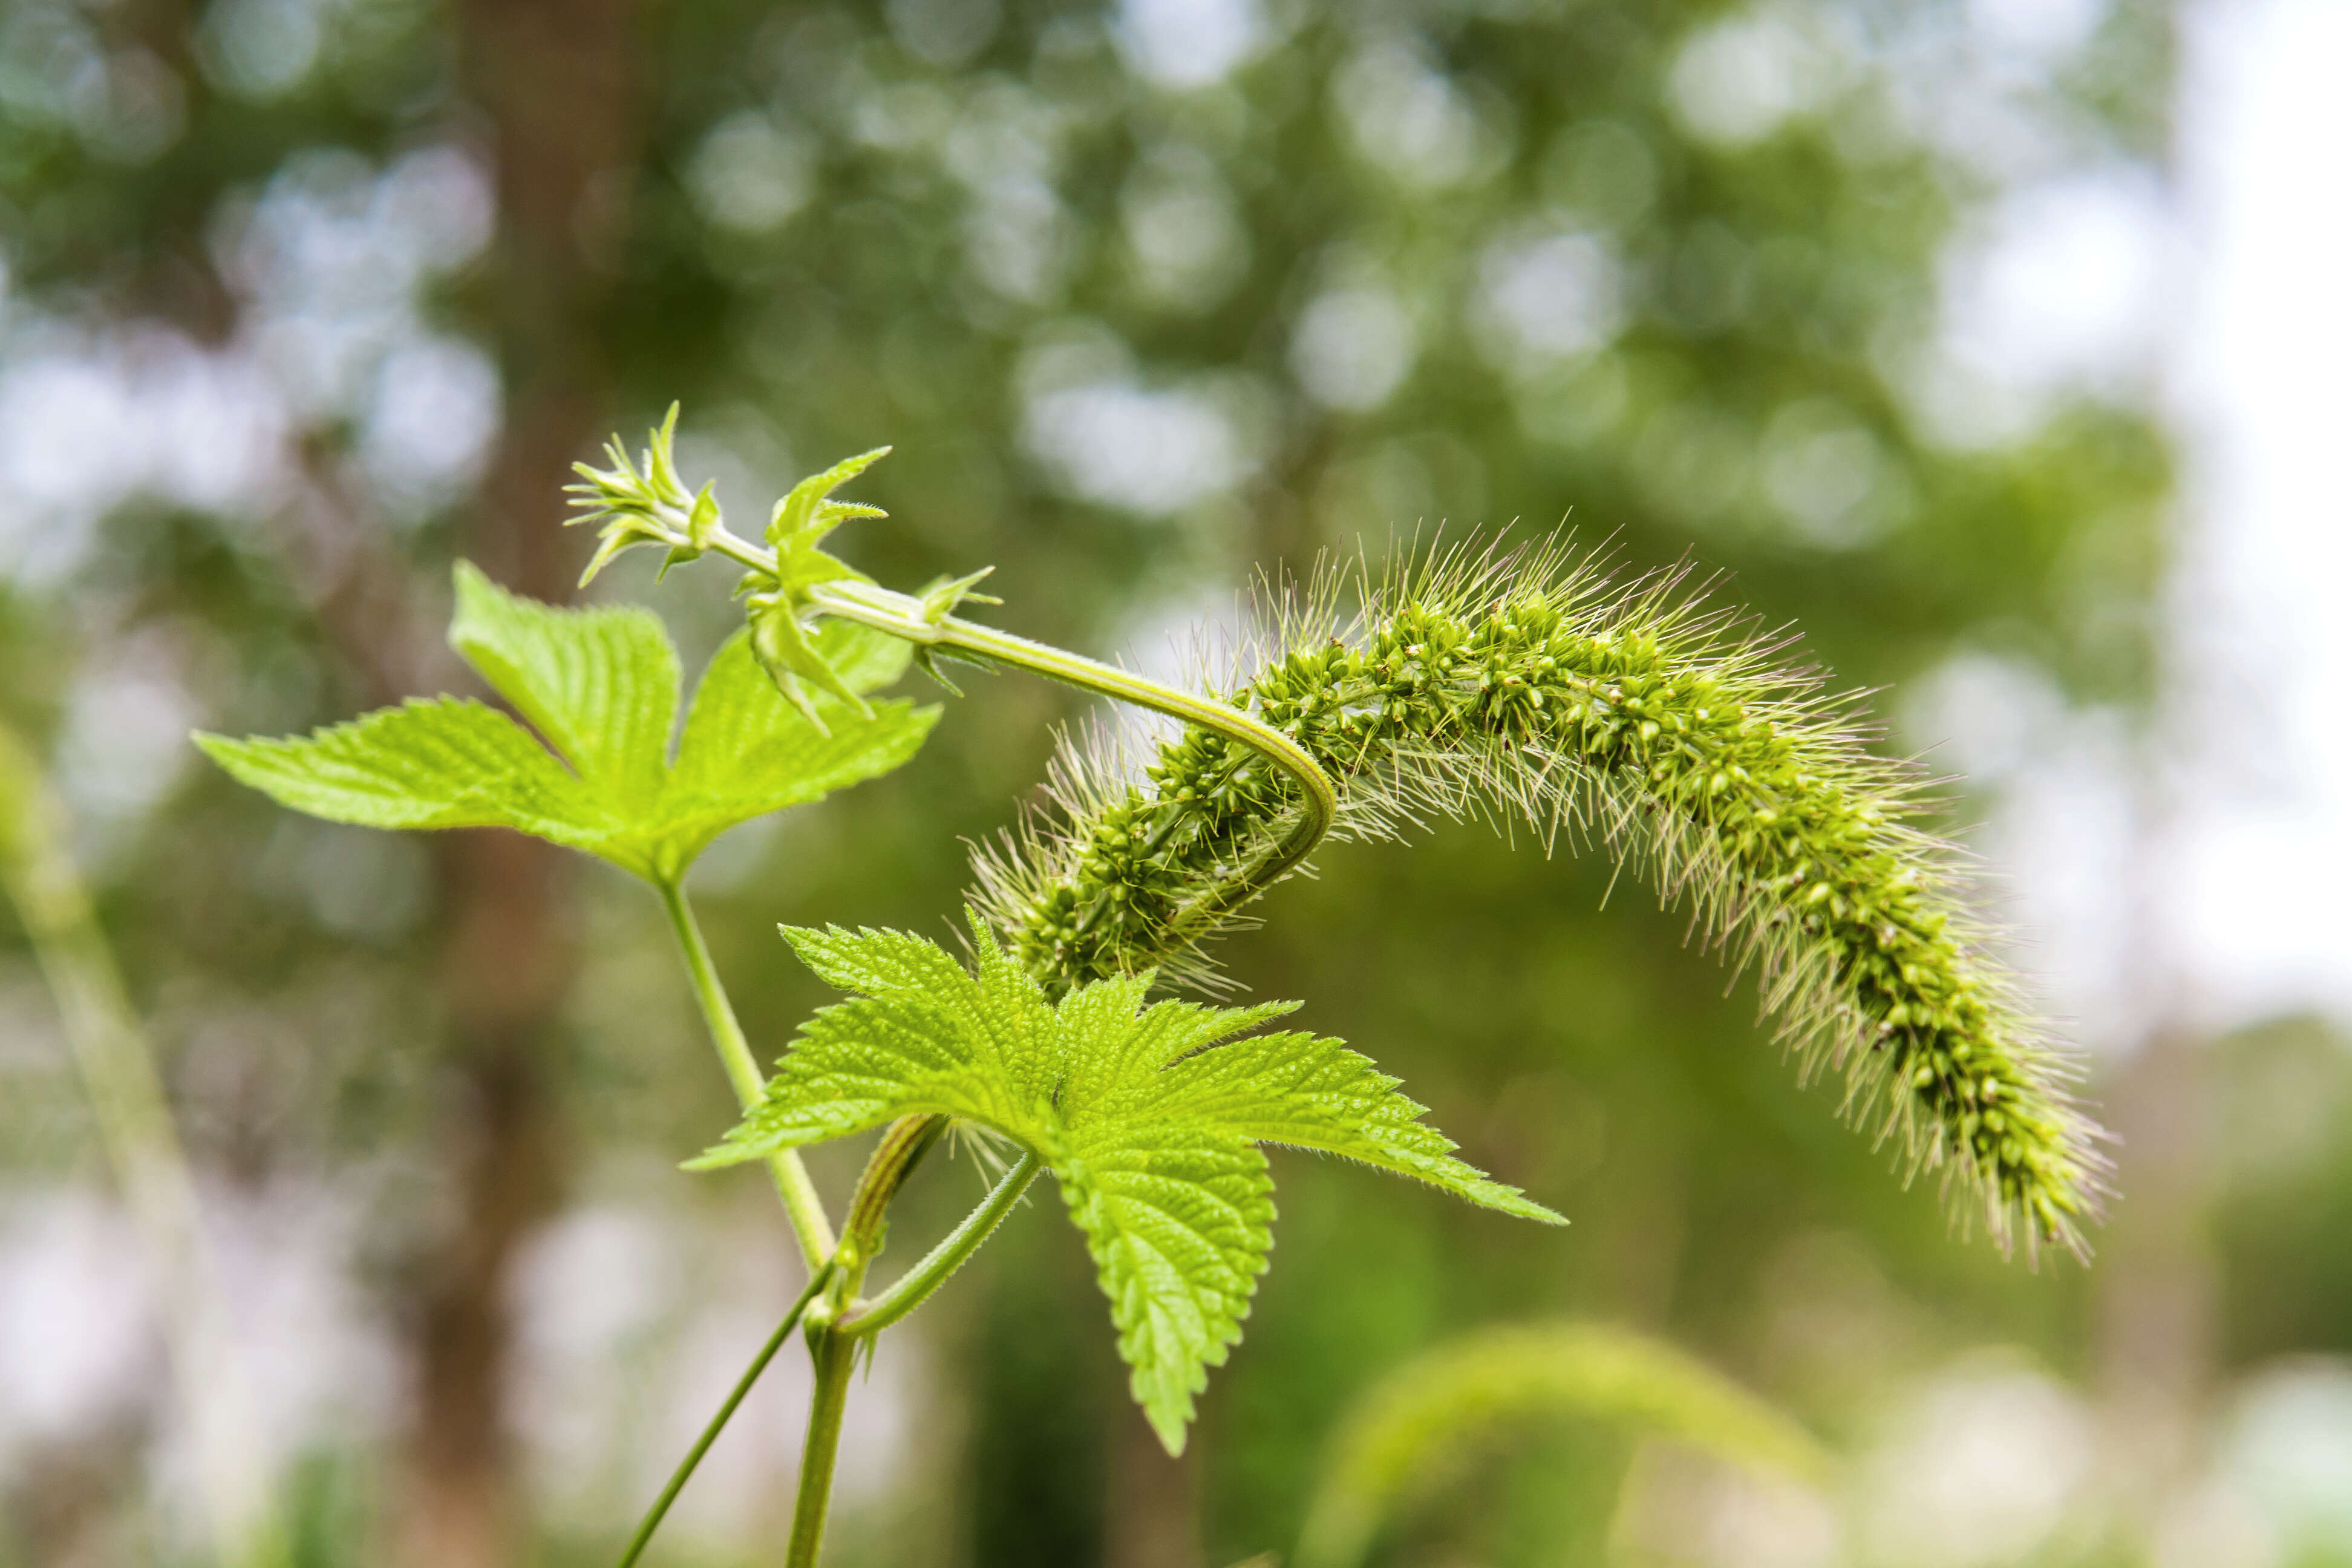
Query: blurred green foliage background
(305, 298)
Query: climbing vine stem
(1256, 766)
(916, 1286)
(1260, 763)
(686, 1468)
(801, 1205)
(832, 1347)
(1316, 799)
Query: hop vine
(1528, 686)
(1524, 686)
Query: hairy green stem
(801, 1205)
(834, 1345)
(833, 1338)
(917, 1284)
(894, 1159)
(865, 1320)
(831, 1349)
(834, 1356)
(685, 1468)
(902, 616)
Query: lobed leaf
(1149, 1117)
(601, 686)
(1180, 1219)
(877, 963)
(1316, 1093)
(745, 752)
(431, 762)
(858, 1065)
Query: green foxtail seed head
(1526, 686)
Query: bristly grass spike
(1524, 686)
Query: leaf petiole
(801, 1205)
(954, 1250)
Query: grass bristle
(1525, 688)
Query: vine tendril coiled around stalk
(1526, 686)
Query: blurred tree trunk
(506, 963)
(554, 79)
(1152, 1517)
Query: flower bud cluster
(1676, 746)
(643, 502)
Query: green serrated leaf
(1180, 1220)
(432, 763)
(1150, 1119)
(1314, 1093)
(788, 652)
(744, 752)
(601, 686)
(1113, 1063)
(877, 963)
(802, 516)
